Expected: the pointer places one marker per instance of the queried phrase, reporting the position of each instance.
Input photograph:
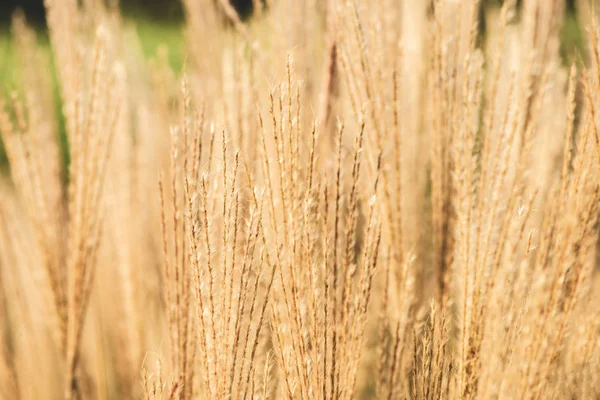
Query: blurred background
(159, 10)
(156, 21)
(160, 23)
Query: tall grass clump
(332, 200)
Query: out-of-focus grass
(572, 39)
(168, 34)
(8, 77)
(152, 35)
(7, 60)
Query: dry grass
(335, 200)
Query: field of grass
(330, 200)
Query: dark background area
(160, 10)
(156, 9)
